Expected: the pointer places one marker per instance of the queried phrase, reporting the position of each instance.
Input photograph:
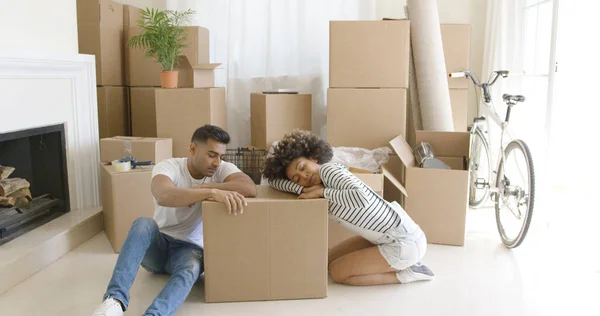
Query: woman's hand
(313, 192)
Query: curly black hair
(293, 145)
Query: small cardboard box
(193, 75)
(438, 199)
(125, 197)
(142, 71)
(143, 111)
(456, 42)
(143, 149)
(337, 233)
(179, 112)
(366, 118)
(369, 54)
(113, 111)
(100, 33)
(273, 115)
(276, 250)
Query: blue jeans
(157, 253)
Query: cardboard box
(438, 199)
(366, 118)
(125, 197)
(273, 115)
(456, 41)
(113, 111)
(337, 233)
(143, 111)
(142, 71)
(131, 15)
(143, 149)
(369, 54)
(196, 75)
(459, 101)
(179, 112)
(276, 250)
(100, 33)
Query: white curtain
(271, 44)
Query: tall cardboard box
(276, 250)
(131, 15)
(113, 112)
(456, 42)
(125, 197)
(366, 118)
(438, 199)
(141, 148)
(143, 111)
(369, 54)
(100, 33)
(337, 233)
(142, 71)
(179, 112)
(273, 115)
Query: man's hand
(313, 192)
(234, 201)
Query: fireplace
(35, 189)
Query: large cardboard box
(125, 197)
(179, 112)
(438, 199)
(366, 118)
(369, 54)
(113, 112)
(459, 101)
(142, 71)
(276, 250)
(141, 148)
(273, 115)
(456, 41)
(131, 15)
(100, 33)
(143, 111)
(337, 233)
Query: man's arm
(167, 194)
(238, 182)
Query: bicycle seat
(513, 98)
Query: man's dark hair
(205, 132)
(293, 145)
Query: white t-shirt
(185, 223)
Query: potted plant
(163, 36)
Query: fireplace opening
(33, 179)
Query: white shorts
(404, 245)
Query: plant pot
(168, 79)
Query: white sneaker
(110, 307)
(417, 272)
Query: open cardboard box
(437, 199)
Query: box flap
(206, 66)
(402, 149)
(388, 175)
(446, 144)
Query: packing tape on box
(127, 146)
(430, 65)
(121, 166)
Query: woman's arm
(286, 185)
(342, 187)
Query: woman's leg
(363, 267)
(347, 246)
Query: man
(172, 242)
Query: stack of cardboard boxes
(173, 113)
(100, 31)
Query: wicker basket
(250, 161)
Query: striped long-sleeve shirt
(351, 200)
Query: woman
(389, 244)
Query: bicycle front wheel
(516, 192)
(480, 170)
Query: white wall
(471, 12)
(38, 25)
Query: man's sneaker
(417, 272)
(110, 307)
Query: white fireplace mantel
(46, 89)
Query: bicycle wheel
(516, 193)
(480, 170)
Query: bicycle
(511, 187)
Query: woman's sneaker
(417, 272)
